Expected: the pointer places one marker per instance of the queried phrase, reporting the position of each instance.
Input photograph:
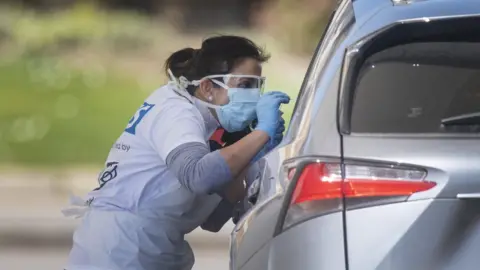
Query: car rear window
(411, 88)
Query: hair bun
(180, 62)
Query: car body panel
(374, 15)
(307, 250)
(423, 234)
(254, 230)
(260, 259)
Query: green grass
(50, 124)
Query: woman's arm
(239, 154)
(236, 189)
(205, 173)
(234, 193)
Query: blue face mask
(240, 112)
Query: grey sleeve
(219, 217)
(198, 170)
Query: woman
(161, 180)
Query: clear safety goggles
(226, 81)
(235, 81)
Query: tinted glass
(411, 88)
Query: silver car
(380, 166)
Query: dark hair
(218, 55)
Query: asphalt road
(34, 234)
(54, 258)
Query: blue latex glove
(271, 121)
(272, 143)
(278, 135)
(268, 112)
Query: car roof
(373, 15)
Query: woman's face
(219, 95)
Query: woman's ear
(205, 90)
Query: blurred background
(73, 72)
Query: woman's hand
(278, 134)
(272, 143)
(269, 114)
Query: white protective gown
(138, 217)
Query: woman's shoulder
(167, 96)
(167, 101)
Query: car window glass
(412, 88)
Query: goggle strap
(172, 77)
(209, 105)
(181, 85)
(182, 81)
(195, 82)
(220, 83)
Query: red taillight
(321, 186)
(320, 181)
